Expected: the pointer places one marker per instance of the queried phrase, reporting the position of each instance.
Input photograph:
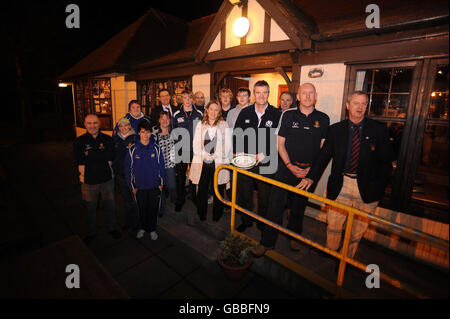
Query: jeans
(89, 195)
(131, 209)
(170, 187)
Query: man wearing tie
(362, 166)
(164, 99)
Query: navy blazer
(375, 160)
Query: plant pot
(234, 272)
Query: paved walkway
(41, 204)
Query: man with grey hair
(301, 133)
(362, 165)
(94, 152)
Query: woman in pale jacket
(212, 147)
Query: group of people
(145, 158)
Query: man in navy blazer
(362, 165)
(163, 97)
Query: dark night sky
(35, 32)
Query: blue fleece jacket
(121, 147)
(144, 166)
(134, 122)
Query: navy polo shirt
(303, 134)
(94, 154)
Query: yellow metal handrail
(343, 255)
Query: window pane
(439, 95)
(401, 80)
(431, 183)
(398, 105)
(378, 104)
(388, 88)
(382, 80)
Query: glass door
(431, 184)
(392, 91)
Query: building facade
(402, 65)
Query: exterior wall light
(241, 27)
(62, 85)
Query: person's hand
(134, 191)
(305, 184)
(304, 172)
(161, 187)
(81, 178)
(297, 171)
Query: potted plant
(235, 256)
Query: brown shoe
(259, 250)
(295, 245)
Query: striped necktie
(354, 157)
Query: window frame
(152, 84)
(415, 122)
(87, 103)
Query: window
(412, 99)
(93, 96)
(431, 182)
(388, 89)
(148, 91)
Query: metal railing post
(346, 244)
(352, 212)
(233, 200)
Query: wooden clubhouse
(402, 65)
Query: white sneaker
(153, 235)
(140, 234)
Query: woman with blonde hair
(212, 147)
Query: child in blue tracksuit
(145, 174)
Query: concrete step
(204, 237)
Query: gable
(259, 27)
(275, 26)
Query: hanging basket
(234, 273)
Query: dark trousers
(148, 201)
(230, 190)
(131, 209)
(278, 200)
(245, 188)
(170, 187)
(89, 195)
(180, 171)
(205, 182)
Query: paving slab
(183, 290)
(157, 246)
(123, 256)
(180, 258)
(216, 285)
(261, 288)
(149, 279)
